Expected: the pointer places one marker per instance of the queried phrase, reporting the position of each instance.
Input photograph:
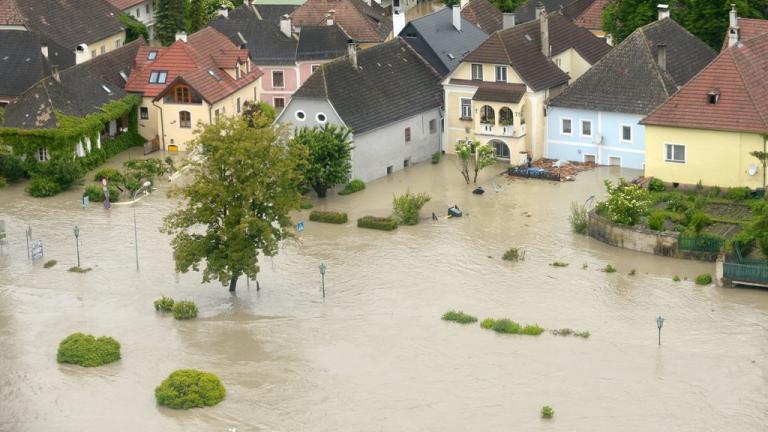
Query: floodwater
(374, 355)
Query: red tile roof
(748, 28)
(591, 18)
(198, 62)
(483, 14)
(10, 14)
(740, 76)
(125, 4)
(361, 22)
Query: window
(144, 113)
(93, 53)
(477, 71)
(216, 113)
(118, 43)
(407, 134)
(566, 126)
(146, 8)
(158, 77)
(321, 118)
(181, 94)
(586, 128)
(185, 119)
(277, 79)
(279, 103)
(300, 115)
(42, 154)
(713, 96)
(626, 133)
(315, 67)
(466, 108)
(138, 12)
(674, 153)
(238, 105)
(406, 163)
(151, 55)
(103, 49)
(501, 73)
(433, 126)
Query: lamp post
(135, 229)
(77, 243)
(659, 324)
(322, 268)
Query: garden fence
(700, 244)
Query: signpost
(37, 250)
(28, 234)
(300, 226)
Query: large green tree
(169, 19)
(245, 182)
(330, 156)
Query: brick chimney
(663, 11)
(285, 25)
(661, 56)
(223, 11)
(507, 20)
(398, 21)
(330, 17)
(82, 54)
(457, 17)
(181, 35)
(544, 24)
(734, 34)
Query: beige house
(195, 80)
(498, 94)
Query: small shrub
(559, 264)
(699, 186)
(11, 167)
(532, 330)
(407, 207)
(111, 174)
(738, 193)
(306, 204)
(190, 388)
(547, 412)
(328, 217)
(436, 156)
(459, 317)
(562, 332)
(656, 185)
(77, 269)
(49, 263)
(699, 221)
(95, 193)
(584, 266)
(626, 202)
(164, 304)
(88, 351)
(184, 310)
(3, 182)
(583, 334)
(513, 254)
(676, 278)
(488, 323)
(505, 325)
(578, 218)
(352, 187)
(632, 272)
(656, 220)
(379, 223)
(42, 187)
(704, 279)
(609, 269)
(715, 192)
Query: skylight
(527, 36)
(106, 89)
(123, 76)
(451, 56)
(158, 77)
(152, 55)
(214, 75)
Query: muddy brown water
(375, 355)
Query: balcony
(509, 131)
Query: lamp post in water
(659, 325)
(322, 268)
(77, 244)
(135, 229)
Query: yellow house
(707, 130)
(195, 80)
(497, 95)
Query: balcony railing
(500, 130)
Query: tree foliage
(133, 28)
(169, 19)
(246, 181)
(473, 158)
(407, 207)
(330, 156)
(626, 202)
(266, 117)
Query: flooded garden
(376, 353)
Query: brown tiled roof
(740, 76)
(590, 17)
(361, 22)
(494, 91)
(748, 28)
(10, 14)
(483, 14)
(520, 47)
(125, 4)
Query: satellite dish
(752, 169)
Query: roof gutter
(162, 123)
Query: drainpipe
(162, 124)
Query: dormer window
(713, 96)
(237, 71)
(158, 77)
(152, 55)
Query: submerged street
(375, 355)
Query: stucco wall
(290, 78)
(716, 158)
(149, 128)
(311, 108)
(633, 238)
(109, 44)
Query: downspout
(162, 124)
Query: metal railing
(700, 244)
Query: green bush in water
(190, 388)
(87, 350)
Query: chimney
(55, 73)
(457, 17)
(463, 4)
(661, 56)
(285, 25)
(733, 29)
(352, 52)
(540, 10)
(544, 24)
(44, 49)
(398, 21)
(330, 16)
(81, 53)
(223, 11)
(508, 20)
(368, 2)
(663, 11)
(609, 39)
(181, 35)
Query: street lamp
(322, 268)
(135, 230)
(659, 324)
(77, 243)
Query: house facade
(597, 118)
(142, 10)
(394, 113)
(196, 79)
(497, 94)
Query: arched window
(506, 117)
(185, 119)
(500, 149)
(487, 115)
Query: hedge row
(379, 223)
(328, 217)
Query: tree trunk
(475, 179)
(233, 284)
(320, 189)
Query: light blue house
(597, 118)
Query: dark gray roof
(80, 90)
(321, 43)
(527, 11)
(22, 62)
(436, 39)
(266, 44)
(71, 22)
(390, 83)
(273, 13)
(629, 80)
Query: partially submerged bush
(632, 272)
(306, 204)
(95, 192)
(508, 326)
(164, 304)
(190, 388)
(626, 203)
(379, 223)
(676, 278)
(328, 217)
(50, 263)
(11, 166)
(408, 205)
(88, 351)
(547, 412)
(111, 174)
(3, 182)
(352, 187)
(42, 187)
(559, 264)
(436, 156)
(704, 279)
(609, 269)
(569, 332)
(513, 254)
(532, 330)
(578, 218)
(488, 323)
(184, 310)
(77, 269)
(459, 317)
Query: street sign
(300, 226)
(37, 249)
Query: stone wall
(635, 238)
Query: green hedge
(95, 193)
(42, 187)
(88, 351)
(190, 388)
(379, 223)
(111, 174)
(352, 187)
(328, 217)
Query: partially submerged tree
(473, 158)
(330, 156)
(246, 181)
